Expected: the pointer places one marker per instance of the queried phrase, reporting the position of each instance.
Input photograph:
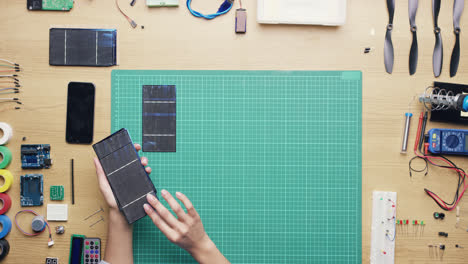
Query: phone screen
(80, 113)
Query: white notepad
(308, 12)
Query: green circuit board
(64, 5)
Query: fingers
(175, 206)
(100, 173)
(159, 223)
(188, 204)
(163, 212)
(137, 147)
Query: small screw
(458, 246)
(142, 27)
(24, 138)
(98, 211)
(100, 220)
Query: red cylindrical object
(6, 203)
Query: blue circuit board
(35, 156)
(32, 190)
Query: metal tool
(438, 55)
(388, 46)
(404, 144)
(100, 220)
(435, 99)
(93, 214)
(413, 57)
(458, 6)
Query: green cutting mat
(270, 159)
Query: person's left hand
(104, 183)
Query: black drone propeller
(413, 57)
(388, 46)
(458, 6)
(438, 56)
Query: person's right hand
(186, 230)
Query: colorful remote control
(91, 250)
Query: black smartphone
(80, 113)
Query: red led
(416, 222)
(407, 221)
(385, 253)
(92, 256)
(401, 222)
(96, 256)
(87, 242)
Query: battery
(241, 20)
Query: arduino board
(35, 156)
(51, 5)
(31, 190)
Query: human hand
(186, 230)
(104, 183)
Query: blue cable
(223, 9)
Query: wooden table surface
(173, 39)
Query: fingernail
(164, 192)
(151, 198)
(178, 194)
(146, 207)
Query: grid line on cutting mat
(270, 159)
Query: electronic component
(440, 216)
(159, 3)
(57, 212)
(59, 230)
(56, 192)
(241, 20)
(444, 234)
(119, 160)
(92, 250)
(38, 225)
(404, 144)
(54, 5)
(72, 176)
(458, 246)
(131, 21)
(31, 190)
(82, 47)
(383, 227)
(35, 156)
(159, 118)
(448, 141)
(51, 260)
(76, 249)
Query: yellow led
(434, 136)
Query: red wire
(451, 167)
